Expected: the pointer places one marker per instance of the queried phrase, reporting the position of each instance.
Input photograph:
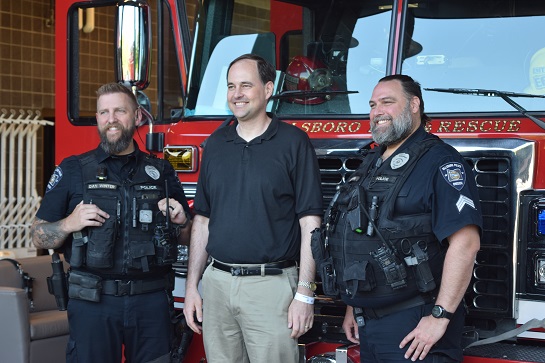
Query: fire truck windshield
(334, 53)
(485, 53)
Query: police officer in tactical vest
(117, 214)
(401, 235)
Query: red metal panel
(292, 19)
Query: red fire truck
(482, 66)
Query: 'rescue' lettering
(475, 126)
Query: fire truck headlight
(182, 158)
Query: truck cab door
(93, 47)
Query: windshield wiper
(309, 94)
(494, 93)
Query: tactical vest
(136, 236)
(380, 260)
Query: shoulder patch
(454, 174)
(55, 179)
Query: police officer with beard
(108, 211)
(402, 236)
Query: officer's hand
(300, 318)
(350, 326)
(428, 332)
(192, 309)
(177, 214)
(84, 215)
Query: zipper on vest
(126, 227)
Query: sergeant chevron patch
(462, 201)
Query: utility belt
(132, 287)
(89, 287)
(377, 313)
(272, 268)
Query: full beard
(117, 146)
(400, 128)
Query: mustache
(114, 125)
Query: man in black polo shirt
(258, 198)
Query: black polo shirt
(255, 192)
(65, 188)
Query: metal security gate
(19, 199)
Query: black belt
(377, 313)
(273, 268)
(133, 287)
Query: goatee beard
(120, 145)
(400, 128)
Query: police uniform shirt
(442, 183)
(439, 190)
(255, 192)
(65, 188)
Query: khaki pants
(245, 318)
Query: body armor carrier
(136, 236)
(368, 257)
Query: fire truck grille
(334, 172)
(496, 172)
(492, 282)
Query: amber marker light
(182, 158)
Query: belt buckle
(237, 271)
(123, 287)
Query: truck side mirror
(133, 43)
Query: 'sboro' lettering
(336, 127)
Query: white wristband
(304, 298)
